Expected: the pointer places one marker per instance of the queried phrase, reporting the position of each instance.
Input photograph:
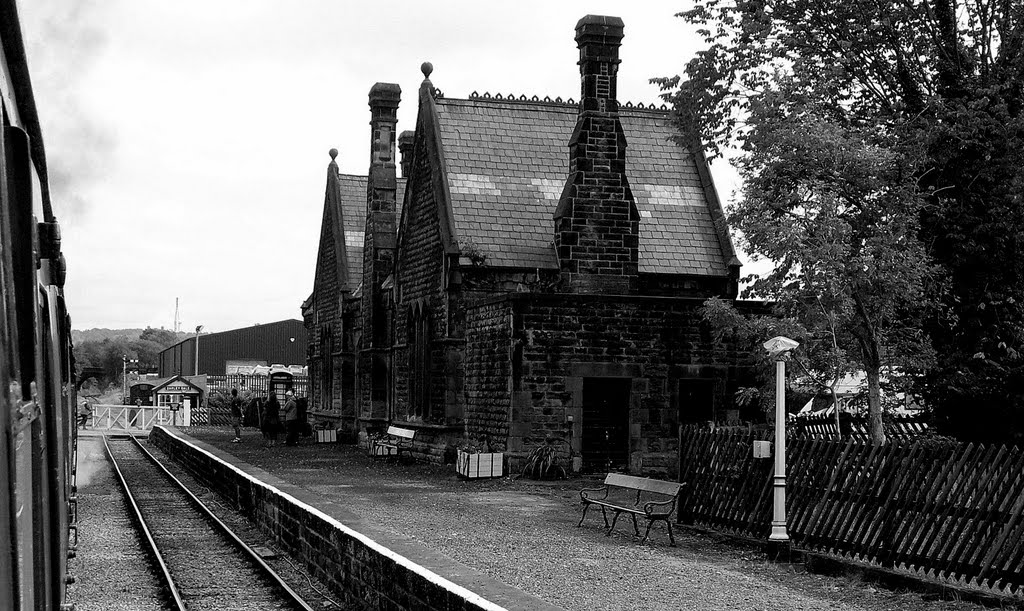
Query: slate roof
(507, 163)
(353, 215)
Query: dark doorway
(696, 401)
(606, 424)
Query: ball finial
(426, 69)
(333, 153)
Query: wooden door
(606, 424)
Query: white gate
(131, 417)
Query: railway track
(203, 563)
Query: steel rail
(226, 530)
(175, 594)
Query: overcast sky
(187, 141)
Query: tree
(109, 352)
(934, 87)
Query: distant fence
(938, 509)
(856, 427)
(257, 384)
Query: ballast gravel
(111, 568)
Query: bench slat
(642, 483)
(400, 432)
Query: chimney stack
(598, 39)
(379, 237)
(405, 140)
(384, 98)
(597, 225)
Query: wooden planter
(480, 465)
(326, 435)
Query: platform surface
(523, 533)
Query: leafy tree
(109, 352)
(933, 87)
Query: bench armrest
(650, 506)
(585, 496)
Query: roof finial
(426, 69)
(333, 153)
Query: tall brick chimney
(597, 225)
(405, 141)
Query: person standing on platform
(271, 419)
(291, 419)
(236, 415)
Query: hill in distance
(98, 335)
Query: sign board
(177, 389)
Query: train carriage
(38, 436)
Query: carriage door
(606, 424)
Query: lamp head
(778, 346)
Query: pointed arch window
(327, 367)
(419, 332)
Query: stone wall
(357, 568)
(557, 342)
(421, 267)
(489, 357)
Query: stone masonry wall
(365, 574)
(420, 269)
(488, 369)
(560, 340)
(325, 304)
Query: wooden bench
(657, 504)
(397, 440)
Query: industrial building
(282, 342)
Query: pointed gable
(343, 227)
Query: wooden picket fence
(856, 427)
(943, 510)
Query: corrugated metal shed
(277, 342)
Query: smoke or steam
(64, 40)
(92, 459)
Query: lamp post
(198, 329)
(779, 348)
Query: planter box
(473, 466)
(326, 435)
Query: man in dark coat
(236, 415)
(291, 419)
(271, 419)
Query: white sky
(187, 141)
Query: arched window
(327, 367)
(419, 331)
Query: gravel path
(524, 534)
(112, 570)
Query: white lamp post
(779, 348)
(198, 329)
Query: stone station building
(534, 277)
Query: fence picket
(1012, 505)
(923, 535)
